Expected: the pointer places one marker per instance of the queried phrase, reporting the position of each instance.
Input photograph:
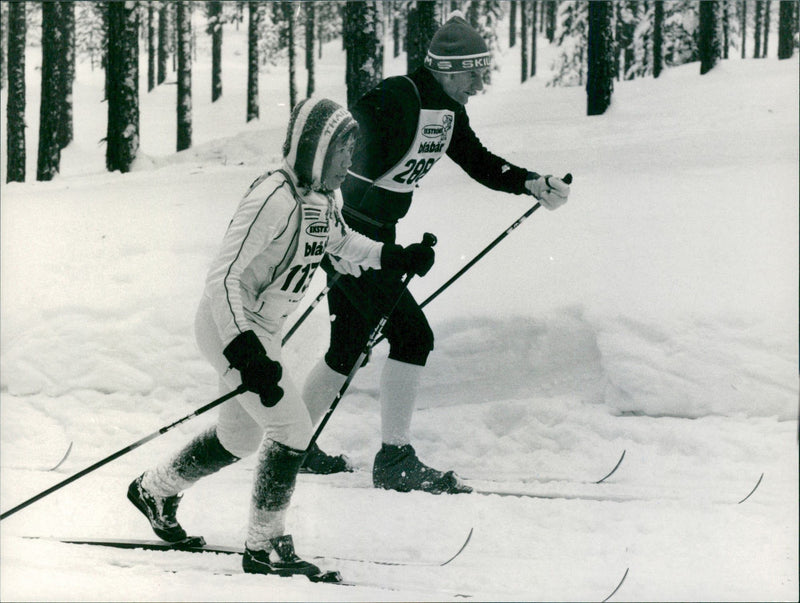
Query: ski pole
(427, 239)
(127, 449)
(487, 249)
(310, 308)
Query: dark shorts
(356, 306)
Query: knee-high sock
(273, 485)
(399, 386)
(322, 385)
(202, 456)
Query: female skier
(282, 228)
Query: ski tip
(63, 458)
(610, 473)
(463, 546)
(614, 592)
(758, 483)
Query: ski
(566, 490)
(197, 544)
(556, 494)
(360, 583)
(520, 487)
(526, 479)
(552, 488)
(190, 543)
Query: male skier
(407, 124)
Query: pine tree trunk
(709, 38)
(630, 47)
(785, 31)
(66, 72)
(600, 76)
(550, 28)
(15, 107)
(534, 6)
(3, 28)
(757, 32)
(473, 12)
(725, 28)
(163, 41)
(412, 35)
(744, 28)
(658, 37)
(215, 29)
(396, 33)
(321, 38)
(49, 157)
(151, 46)
(122, 77)
(183, 25)
(765, 45)
(363, 30)
(512, 23)
(288, 11)
(523, 36)
(254, 15)
(420, 27)
(311, 26)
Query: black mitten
(259, 373)
(417, 258)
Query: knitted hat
(313, 127)
(457, 47)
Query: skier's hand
(551, 191)
(417, 258)
(260, 374)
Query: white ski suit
(272, 247)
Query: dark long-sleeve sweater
(388, 119)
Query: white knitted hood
(314, 125)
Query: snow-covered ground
(656, 314)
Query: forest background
(598, 42)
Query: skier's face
(337, 161)
(460, 86)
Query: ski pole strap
(362, 217)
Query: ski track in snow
(655, 313)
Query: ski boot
(399, 468)
(160, 512)
(283, 561)
(321, 463)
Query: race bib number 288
(415, 170)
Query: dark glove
(259, 373)
(417, 258)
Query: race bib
(434, 131)
(311, 244)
